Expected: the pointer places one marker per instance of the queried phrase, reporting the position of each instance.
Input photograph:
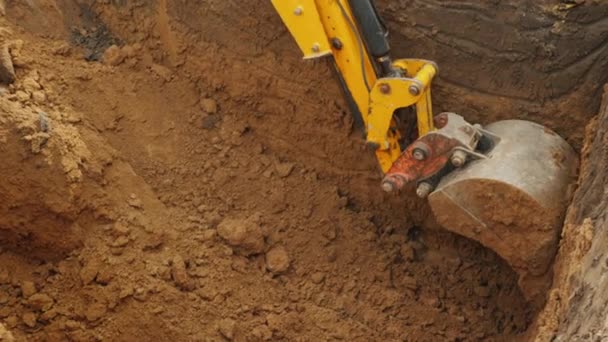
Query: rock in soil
(28, 288)
(226, 328)
(209, 106)
(96, 311)
(179, 274)
(277, 260)
(29, 319)
(245, 236)
(113, 56)
(40, 302)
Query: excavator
(505, 184)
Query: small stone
(72, 325)
(209, 106)
(129, 51)
(410, 282)
(113, 56)
(48, 315)
(89, 272)
(72, 117)
(206, 293)
(206, 235)
(157, 310)
(120, 241)
(22, 95)
(29, 319)
(134, 202)
(262, 333)
(30, 84)
(317, 277)
(154, 241)
(40, 302)
(39, 97)
(62, 49)
(226, 328)
(179, 274)
(120, 229)
(28, 288)
(284, 169)
(244, 235)
(104, 276)
(95, 311)
(277, 260)
(162, 71)
(125, 292)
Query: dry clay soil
(172, 171)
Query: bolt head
(385, 88)
(458, 160)
(419, 154)
(336, 43)
(414, 89)
(423, 190)
(388, 186)
(298, 11)
(316, 47)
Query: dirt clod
(89, 272)
(284, 169)
(244, 235)
(40, 302)
(95, 311)
(317, 277)
(113, 56)
(209, 106)
(28, 288)
(30, 319)
(226, 328)
(179, 274)
(277, 260)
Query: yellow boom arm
(328, 27)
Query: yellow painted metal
(424, 71)
(352, 59)
(424, 113)
(314, 23)
(390, 94)
(303, 22)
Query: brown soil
(197, 181)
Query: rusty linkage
(434, 154)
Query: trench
(204, 116)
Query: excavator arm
(473, 176)
(353, 35)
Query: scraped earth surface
(169, 173)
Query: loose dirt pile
(170, 173)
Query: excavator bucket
(514, 201)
